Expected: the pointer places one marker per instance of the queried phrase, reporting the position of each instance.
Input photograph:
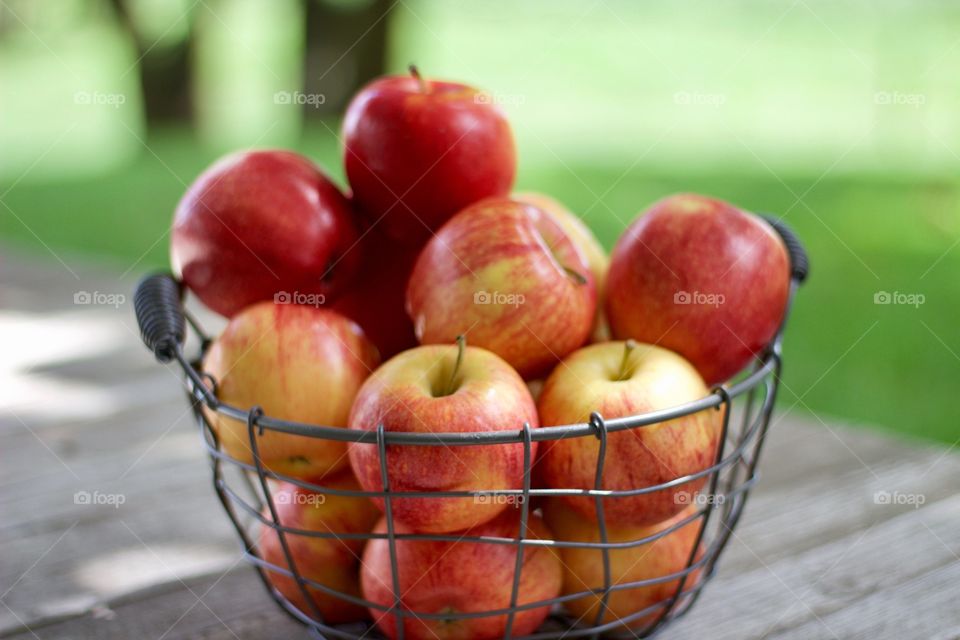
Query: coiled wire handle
(157, 302)
(799, 261)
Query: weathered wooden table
(849, 534)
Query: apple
(376, 300)
(593, 251)
(703, 278)
(443, 388)
(583, 568)
(298, 363)
(332, 562)
(417, 151)
(462, 577)
(620, 379)
(505, 273)
(261, 224)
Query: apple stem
(416, 74)
(628, 347)
(461, 348)
(578, 277)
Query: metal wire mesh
(245, 491)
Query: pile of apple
(430, 299)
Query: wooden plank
(795, 590)
(234, 606)
(925, 607)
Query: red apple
(592, 250)
(261, 224)
(332, 562)
(298, 363)
(504, 273)
(417, 151)
(620, 379)
(462, 577)
(376, 299)
(583, 568)
(703, 278)
(443, 389)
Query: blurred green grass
(892, 365)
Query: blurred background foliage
(840, 116)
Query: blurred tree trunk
(164, 72)
(345, 48)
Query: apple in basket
(505, 273)
(376, 300)
(417, 150)
(592, 250)
(451, 578)
(618, 379)
(703, 278)
(583, 567)
(261, 224)
(297, 363)
(443, 388)
(330, 561)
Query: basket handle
(799, 260)
(157, 302)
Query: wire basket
(245, 489)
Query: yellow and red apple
(703, 278)
(460, 578)
(507, 275)
(297, 363)
(593, 251)
(331, 561)
(583, 567)
(443, 389)
(619, 379)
